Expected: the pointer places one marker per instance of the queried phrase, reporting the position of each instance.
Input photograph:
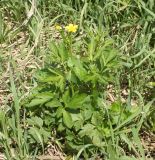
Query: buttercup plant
(66, 33)
(71, 28)
(71, 87)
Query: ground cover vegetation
(77, 79)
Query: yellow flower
(57, 27)
(71, 28)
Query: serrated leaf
(80, 72)
(77, 68)
(40, 98)
(97, 118)
(96, 137)
(35, 133)
(76, 101)
(67, 119)
(36, 102)
(86, 130)
(45, 134)
(63, 53)
(53, 104)
(38, 121)
(35, 121)
(46, 76)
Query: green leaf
(47, 76)
(78, 125)
(116, 107)
(45, 134)
(40, 98)
(63, 53)
(77, 120)
(71, 77)
(53, 104)
(77, 68)
(66, 97)
(60, 127)
(87, 113)
(61, 84)
(76, 101)
(45, 95)
(80, 72)
(53, 47)
(96, 137)
(35, 121)
(35, 133)
(38, 121)
(86, 130)
(36, 102)
(59, 112)
(67, 119)
(97, 118)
